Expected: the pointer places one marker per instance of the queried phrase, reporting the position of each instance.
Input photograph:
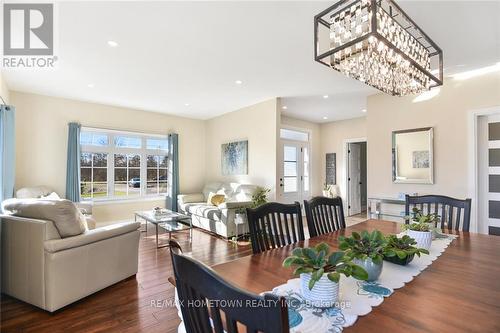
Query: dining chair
(211, 304)
(274, 225)
(324, 215)
(453, 212)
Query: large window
(121, 165)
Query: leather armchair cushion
(91, 236)
(68, 219)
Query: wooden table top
(458, 292)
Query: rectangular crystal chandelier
(376, 42)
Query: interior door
(354, 178)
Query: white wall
(41, 143)
(257, 124)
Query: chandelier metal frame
(435, 54)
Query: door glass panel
(290, 169)
(306, 184)
(294, 135)
(290, 184)
(290, 154)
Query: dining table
(458, 292)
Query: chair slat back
(324, 215)
(454, 213)
(273, 225)
(209, 304)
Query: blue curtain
(7, 151)
(173, 171)
(73, 163)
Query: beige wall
(257, 124)
(41, 143)
(333, 136)
(315, 146)
(4, 90)
(448, 114)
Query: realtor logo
(28, 35)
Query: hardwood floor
(126, 306)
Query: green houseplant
(366, 250)
(421, 227)
(401, 251)
(320, 271)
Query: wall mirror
(412, 156)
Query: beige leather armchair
(43, 269)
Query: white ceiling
(175, 53)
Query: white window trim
(111, 150)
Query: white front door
(294, 181)
(354, 178)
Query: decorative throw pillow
(52, 196)
(215, 199)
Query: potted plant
(320, 271)
(421, 232)
(327, 190)
(366, 250)
(259, 197)
(432, 220)
(401, 251)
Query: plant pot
(327, 194)
(423, 238)
(398, 261)
(374, 270)
(240, 218)
(324, 294)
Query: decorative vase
(327, 194)
(324, 294)
(398, 261)
(423, 238)
(374, 270)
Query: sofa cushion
(67, 218)
(211, 187)
(203, 210)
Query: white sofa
(44, 269)
(218, 219)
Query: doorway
(356, 178)
(294, 175)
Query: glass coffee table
(170, 222)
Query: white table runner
(356, 297)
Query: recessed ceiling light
(112, 43)
(90, 85)
(325, 118)
(284, 107)
(186, 104)
(363, 110)
(325, 96)
(238, 82)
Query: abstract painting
(420, 159)
(331, 170)
(235, 158)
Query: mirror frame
(430, 180)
